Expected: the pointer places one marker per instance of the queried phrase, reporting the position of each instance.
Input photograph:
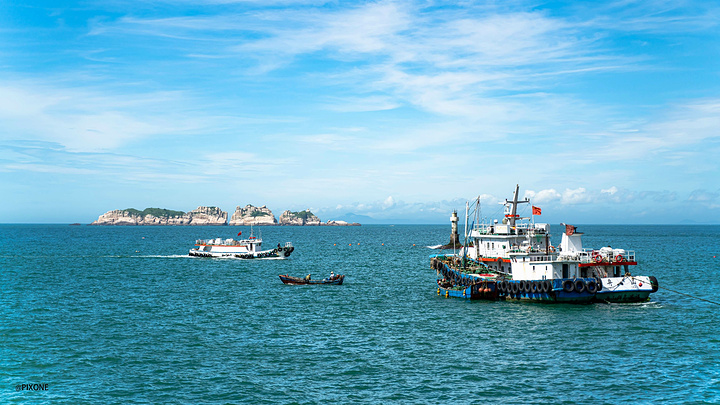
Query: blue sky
(603, 112)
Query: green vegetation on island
(259, 214)
(302, 214)
(156, 212)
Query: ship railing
(590, 255)
(226, 242)
(536, 258)
(483, 229)
(518, 229)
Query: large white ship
(514, 258)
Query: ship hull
(552, 292)
(626, 289)
(277, 253)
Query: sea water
(122, 315)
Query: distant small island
(248, 215)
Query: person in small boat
(307, 278)
(332, 276)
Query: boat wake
(161, 256)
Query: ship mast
(511, 214)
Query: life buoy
(598, 259)
(552, 248)
(568, 286)
(619, 258)
(579, 285)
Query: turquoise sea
(120, 315)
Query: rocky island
(253, 216)
(299, 218)
(162, 216)
(248, 215)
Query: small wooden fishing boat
(336, 280)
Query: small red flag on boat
(569, 230)
(239, 233)
(536, 210)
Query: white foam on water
(162, 256)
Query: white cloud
(388, 203)
(84, 119)
(612, 190)
(361, 104)
(543, 196)
(576, 196)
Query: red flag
(239, 233)
(569, 230)
(536, 210)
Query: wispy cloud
(375, 106)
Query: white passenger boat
(250, 248)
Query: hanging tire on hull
(654, 283)
(591, 286)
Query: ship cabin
(538, 266)
(228, 245)
(499, 240)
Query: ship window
(493, 245)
